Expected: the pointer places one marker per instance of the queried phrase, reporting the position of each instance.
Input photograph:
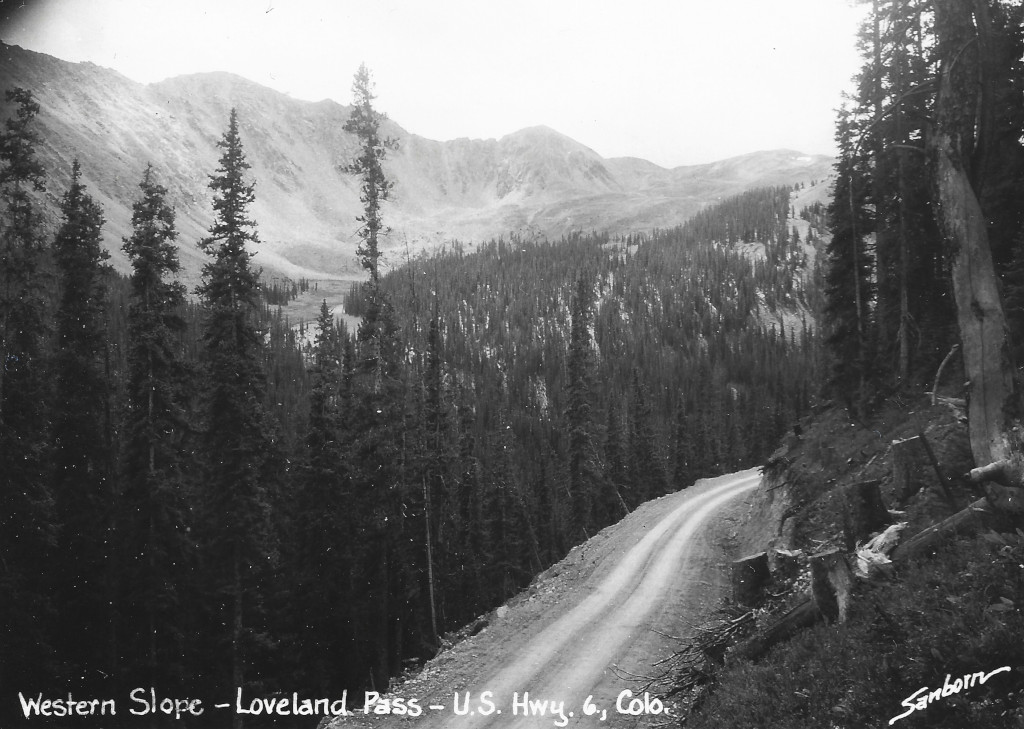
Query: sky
(673, 81)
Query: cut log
(966, 520)
(996, 471)
(864, 512)
(1006, 472)
(750, 575)
(806, 612)
(1005, 499)
(830, 585)
(804, 615)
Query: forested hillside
(922, 327)
(194, 497)
(649, 360)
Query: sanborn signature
(920, 699)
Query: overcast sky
(673, 81)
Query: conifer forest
(198, 492)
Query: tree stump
(805, 613)
(906, 457)
(784, 564)
(750, 575)
(864, 512)
(788, 536)
(830, 584)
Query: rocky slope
(534, 181)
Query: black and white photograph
(477, 364)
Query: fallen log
(1006, 472)
(965, 520)
(806, 613)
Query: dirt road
(565, 652)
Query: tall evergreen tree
(28, 527)
(83, 487)
(849, 289)
(156, 496)
(321, 564)
(647, 472)
(616, 477)
(378, 445)
(377, 327)
(236, 444)
(584, 467)
(682, 475)
(438, 479)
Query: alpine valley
(534, 182)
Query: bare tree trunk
(880, 183)
(903, 332)
(859, 302)
(983, 330)
(430, 564)
(237, 671)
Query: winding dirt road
(591, 625)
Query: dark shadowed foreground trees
(28, 525)
(930, 150)
(157, 498)
(237, 538)
(83, 479)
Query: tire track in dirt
(654, 571)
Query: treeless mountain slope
(535, 180)
(589, 624)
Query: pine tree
(849, 289)
(22, 309)
(377, 327)
(237, 443)
(321, 564)
(156, 498)
(83, 487)
(439, 457)
(616, 477)
(682, 475)
(645, 466)
(379, 408)
(28, 526)
(584, 468)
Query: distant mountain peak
(535, 178)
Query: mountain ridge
(534, 181)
